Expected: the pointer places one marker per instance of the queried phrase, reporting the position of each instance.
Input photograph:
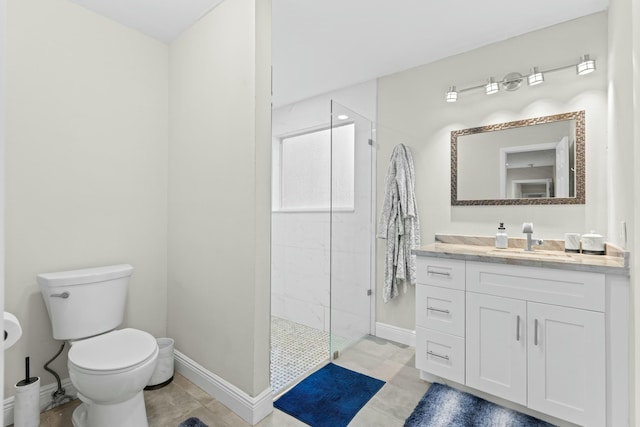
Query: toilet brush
(27, 400)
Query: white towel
(399, 223)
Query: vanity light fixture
(586, 65)
(513, 81)
(452, 94)
(491, 87)
(342, 117)
(536, 77)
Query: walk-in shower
(322, 232)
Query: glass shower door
(351, 228)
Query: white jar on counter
(593, 244)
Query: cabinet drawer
(440, 309)
(577, 289)
(440, 354)
(448, 273)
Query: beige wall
(624, 154)
(2, 137)
(219, 194)
(86, 169)
(635, 349)
(261, 336)
(412, 110)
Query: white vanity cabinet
(532, 335)
(440, 315)
(546, 357)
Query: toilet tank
(87, 302)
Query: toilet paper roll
(12, 330)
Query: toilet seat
(113, 352)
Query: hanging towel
(399, 223)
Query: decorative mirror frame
(579, 199)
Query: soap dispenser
(502, 241)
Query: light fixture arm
(469, 89)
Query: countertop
(550, 255)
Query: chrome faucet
(527, 228)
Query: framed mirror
(537, 161)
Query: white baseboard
(396, 334)
(250, 409)
(45, 399)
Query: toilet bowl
(108, 367)
(110, 371)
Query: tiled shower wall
(300, 268)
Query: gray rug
(192, 422)
(443, 406)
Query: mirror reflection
(533, 161)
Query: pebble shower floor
(295, 350)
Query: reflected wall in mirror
(526, 162)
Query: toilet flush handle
(64, 295)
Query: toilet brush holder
(26, 409)
(26, 405)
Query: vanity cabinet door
(497, 346)
(567, 363)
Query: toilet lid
(114, 350)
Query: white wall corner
(396, 334)
(250, 409)
(46, 393)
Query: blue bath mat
(330, 397)
(192, 422)
(444, 406)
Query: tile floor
(385, 360)
(295, 350)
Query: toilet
(108, 367)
